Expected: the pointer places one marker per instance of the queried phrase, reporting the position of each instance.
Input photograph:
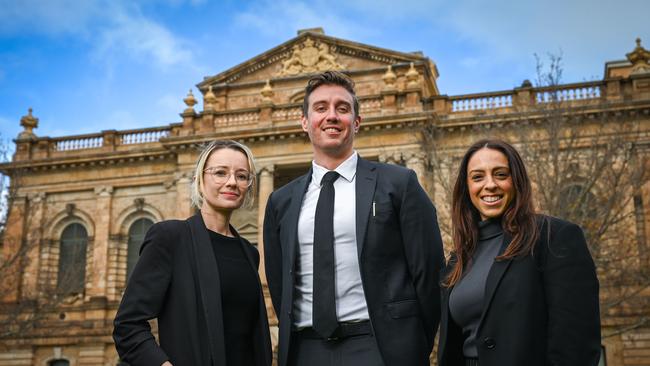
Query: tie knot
(329, 178)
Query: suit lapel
(494, 277)
(293, 215)
(209, 286)
(445, 291)
(366, 181)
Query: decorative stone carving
(139, 204)
(69, 209)
(104, 190)
(190, 101)
(267, 92)
(412, 77)
(29, 123)
(389, 79)
(209, 100)
(309, 58)
(639, 59)
(36, 198)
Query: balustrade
(234, 119)
(143, 137)
(480, 102)
(567, 93)
(90, 142)
(369, 106)
(286, 114)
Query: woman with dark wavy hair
(519, 288)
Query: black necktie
(324, 309)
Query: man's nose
(332, 114)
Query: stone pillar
(98, 271)
(33, 236)
(417, 162)
(13, 239)
(183, 201)
(109, 138)
(265, 189)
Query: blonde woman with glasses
(199, 278)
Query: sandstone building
(83, 203)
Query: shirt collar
(347, 169)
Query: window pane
(72, 259)
(137, 232)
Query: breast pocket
(383, 212)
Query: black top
(467, 297)
(239, 298)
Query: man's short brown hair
(330, 78)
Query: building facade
(81, 204)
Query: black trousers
(358, 350)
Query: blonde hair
(196, 194)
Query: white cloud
(115, 29)
(132, 34)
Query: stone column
(98, 270)
(417, 162)
(13, 237)
(33, 236)
(183, 201)
(265, 190)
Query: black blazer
(176, 280)
(540, 310)
(400, 255)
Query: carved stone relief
(309, 57)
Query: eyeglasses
(221, 176)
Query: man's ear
(305, 123)
(357, 124)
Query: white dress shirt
(350, 299)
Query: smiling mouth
(332, 129)
(491, 199)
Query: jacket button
(489, 343)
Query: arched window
(72, 259)
(59, 363)
(136, 235)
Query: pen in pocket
(373, 209)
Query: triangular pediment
(310, 52)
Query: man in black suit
(352, 248)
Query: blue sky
(92, 65)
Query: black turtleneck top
(239, 298)
(467, 298)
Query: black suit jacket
(400, 255)
(176, 280)
(540, 310)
